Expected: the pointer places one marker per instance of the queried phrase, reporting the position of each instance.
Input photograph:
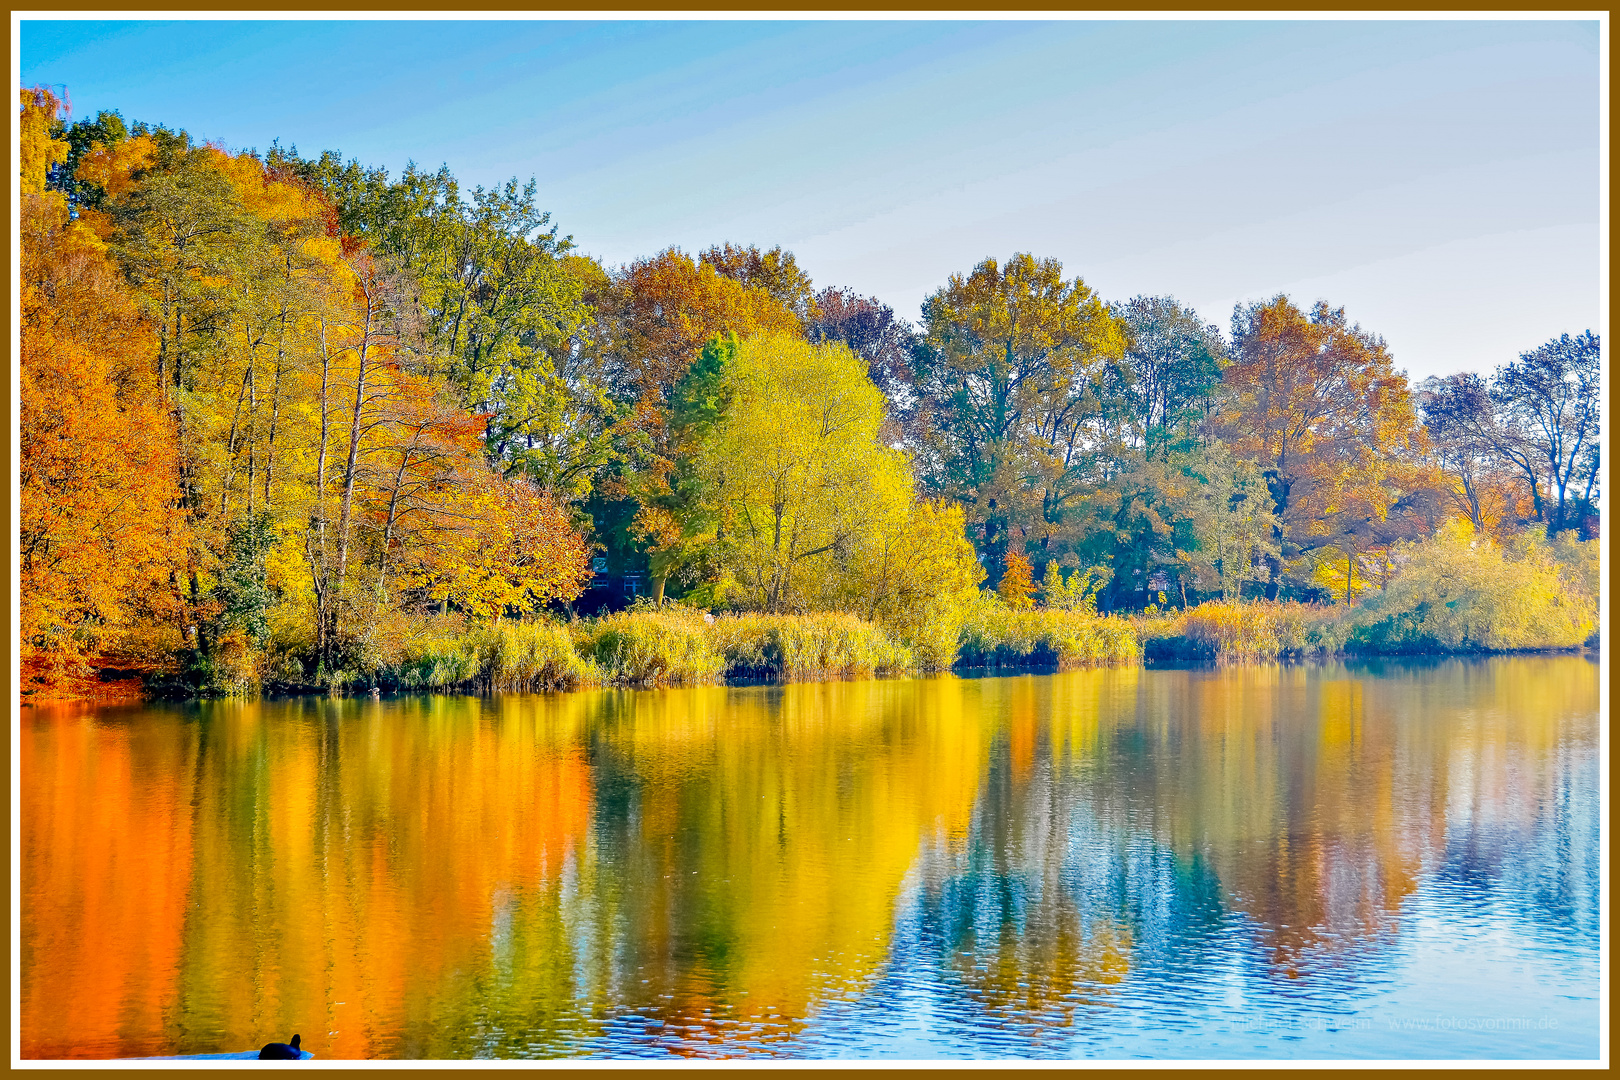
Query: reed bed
(509, 656)
(994, 635)
(1232, 632)
(651, 647)
(674, 645)
(798, 647)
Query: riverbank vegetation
(290, 422)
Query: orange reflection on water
(106, 866)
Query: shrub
(1077, 592)
(914, 582)
(1458, 592)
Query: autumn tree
(330, 409)
(886, 342)
(1016, 376)
(1197, 523)
(498, 304)
(915, 575)
(797, 474)
(801, 507)
(1478, 461)
(1549, 407)
(1017, 582)
(39, 148)
(84, 138)
(501, 548)
(1315, 401)
(99, 532)
(653, 318)
(775, 272)
(676, 518)
(659, 312)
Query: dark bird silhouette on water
(280, 1051)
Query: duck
(287, 1051)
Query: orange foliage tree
(1017, 582)
(1316, 402)
(99, 525)
(658, 312)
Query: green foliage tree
(1231, 518)
(676, 517)
(1175, 361)
(497, 304)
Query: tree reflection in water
(1025, 865)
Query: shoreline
(117, 696)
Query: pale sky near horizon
(1440, 180)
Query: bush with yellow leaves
(1458, 592)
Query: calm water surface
(1382, 860)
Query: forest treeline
(286, 418)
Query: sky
(1439, 180)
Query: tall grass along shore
(673, 645)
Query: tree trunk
(275, 410)
(320, 568)
(351, 464)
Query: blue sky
(1438, 179)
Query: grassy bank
(1454, 593)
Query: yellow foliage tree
(798, 473)
(804, 507)
(39, 149)
(1459, 591)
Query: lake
(1362, 860)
